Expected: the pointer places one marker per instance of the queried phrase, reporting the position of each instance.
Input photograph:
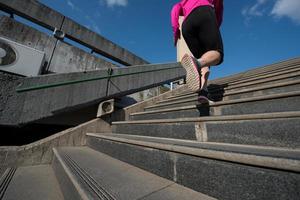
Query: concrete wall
(67, 58)
(34, 105)
(38, 13)
(40, 152)
(27, 36)
(60, 56)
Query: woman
(200, 29)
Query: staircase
(245, 145)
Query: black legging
(201, 32)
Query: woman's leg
(208, 59)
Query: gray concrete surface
(33, 183)
(238, 129)
(40, 152)
(167, 130)
(67, 59)
(258, 70)
(276, 132)
(57, 100)
(60, 57)
(35, 11)
(219, 179)
(189, 107)
(20, 33)
(117, 179)
(41, 14)
(10, 102)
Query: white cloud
(71, 4)
(287, 8)
(112, 3)
(276, 8)
(256, 10)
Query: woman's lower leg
(208, 59)
(204, 77)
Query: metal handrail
(45, 86)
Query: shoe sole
(203, 100)
(192, 75)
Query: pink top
(185, 7)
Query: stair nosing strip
(89, 180)
(70, 175)
(6, 181)
(247, 159)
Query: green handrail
(45, 86)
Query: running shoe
(203, 97)
(190, 65)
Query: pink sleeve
(176, 12)
(218, 4)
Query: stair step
(99, 176)
(273, 129)
(273, 80)
(256, 73)
(246, 93)
(267, 75)
(288, 101)
(265, 81)
(293, 63)
(32, 182)
(223, 171)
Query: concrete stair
(272, 129)
(87, 174)
(224, 171)
(243, 146)
(246, 146)
(32, 182)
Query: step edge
(274, 115)
(270, 86)
(268, 162)
(70, 175)
(235, 101)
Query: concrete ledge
(40, 152)
(85, 89)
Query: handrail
(45, 86)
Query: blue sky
(255, 32)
